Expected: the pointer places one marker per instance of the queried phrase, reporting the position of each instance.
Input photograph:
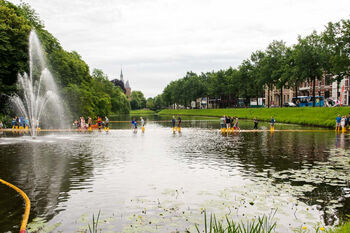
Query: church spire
(121, 75)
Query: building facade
(323, 87)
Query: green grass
(139, 112)
(345, 228)
(320, 116)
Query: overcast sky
(156, 41)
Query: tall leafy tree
(14, 31)
(336, 38)
(310, 59)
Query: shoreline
(308, 116)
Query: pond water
(158, 181)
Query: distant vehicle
(307, 101)
(290, 104)
(334, 103)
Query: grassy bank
(305, 116)
(141, 112)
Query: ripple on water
(160, 182)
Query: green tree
(150, 103)
(138, 100)
(310, 59)
(336, 39)
(14, 31)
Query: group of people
(173, 122)
(82, 124)
(229, 122)
(342, 122)
(134, 124)
(21, 123)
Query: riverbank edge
(320, 116)
(139, 112)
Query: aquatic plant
(40, 225)
(262, 224)
(94, 223)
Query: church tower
(121, 75)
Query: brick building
(324, 87)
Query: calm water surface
(158, 181)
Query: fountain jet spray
(39, 95)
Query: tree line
(325, 54)
(85, 93)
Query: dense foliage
(313, 57)
(138, 100)
(85, 94)
(155, 103)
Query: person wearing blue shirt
(21, 122)
(337, 125)
(134, 125)
(173, 121)
(272, 123)
(26, 123)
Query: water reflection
(46, 170)
(69, 175)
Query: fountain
(39, 96)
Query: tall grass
(263, 224)
(94, 227)
(318, 116)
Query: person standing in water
(272, 123)
(99, 122)
(342, 123)
(179, 122)
(37, 124)
(89, 123)
(338, 121)
(222, 122)
(236, 124)
(26, 123)
(142, 124)
(106, 123)
(255, 123)
(173, 122)
(228, 121)
(134, 124)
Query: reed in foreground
(263, 224)
(94, 227)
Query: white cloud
(157, 41)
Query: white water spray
(39, 91)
